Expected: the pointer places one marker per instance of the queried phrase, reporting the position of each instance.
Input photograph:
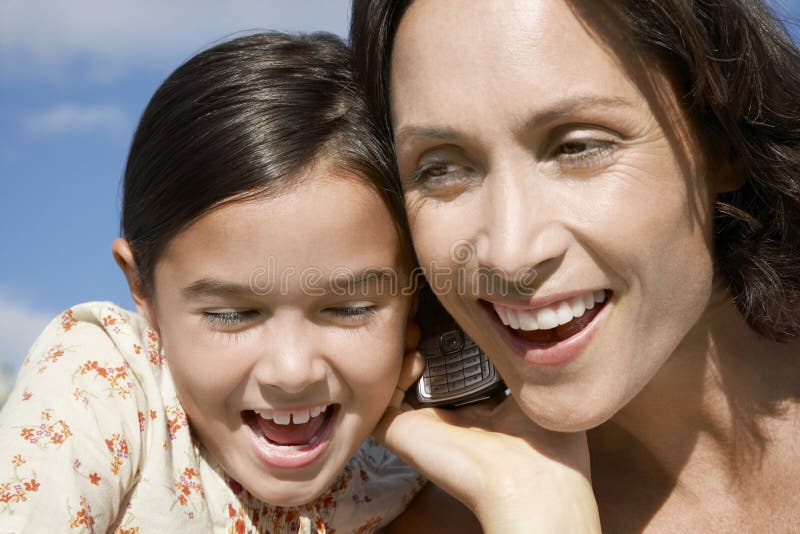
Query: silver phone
(457, 371)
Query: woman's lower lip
(294, 456)
(555, 354)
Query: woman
(644, 152)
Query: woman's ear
(123, 255)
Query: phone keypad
(454, 372)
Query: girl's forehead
(323, 224)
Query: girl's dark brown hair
(243, 119)
(742, 74)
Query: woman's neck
(722, 409)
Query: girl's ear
(123, 255)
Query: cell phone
(457, 371)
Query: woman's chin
(576, 413)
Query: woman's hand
(514, 475)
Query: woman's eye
(352, 313)
(584, 152)
(437, 175)
(229, 319)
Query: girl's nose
(292, 359)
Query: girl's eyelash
(353, 312)
(229, 318)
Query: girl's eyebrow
(206, 287)
(351, 279)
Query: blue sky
(74, 77)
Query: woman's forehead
(524, 61)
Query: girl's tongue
(291, 434)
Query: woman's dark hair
(741, 71)
(244, 119)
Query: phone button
(472, 380)
(472, 360)
(436, 361)
(474, 370)
(455, 366)
(471, 351)
(438, 370)
(458, 375)
(453, 386)
(437, 380)
(485, 369)
(452, 358)
(438, 390)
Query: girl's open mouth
(551, 334)
(291, 439)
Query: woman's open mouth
(291, 439)
(551, 334)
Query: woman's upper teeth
(283, 417)
(549, 316)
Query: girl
(258, 237)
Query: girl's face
(282, 332)
(562, 181)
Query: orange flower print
(67, 320)
(113, 320)
(81, 395)
(17, 488)
(187, 484)
(239, 526)
(116, 377)
(83, 519)
(26, 395)
(45, 434)
(153, 415)
(154, 350)
(137, 348)
(176, 419)
(94, 478)
(369, 526)
(52, 356)
(134, 530)
(141, 422)
(118, 448)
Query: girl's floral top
(94, 439)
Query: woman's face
(564, 185)
(282, 338)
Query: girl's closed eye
(355, 313)
(229, 319)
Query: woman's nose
(292, 360)
(522, 234)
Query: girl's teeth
(282, 418)
(551, 316)
(297, 417)
(301, 417)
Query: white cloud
(73, 118)
(20, 325)
(45, 37)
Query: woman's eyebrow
(431, 132)
(572, 104)
(538, 119)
